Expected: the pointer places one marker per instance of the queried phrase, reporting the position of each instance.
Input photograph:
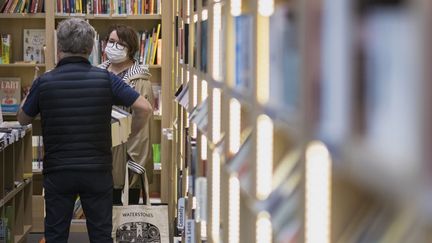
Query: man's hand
(22, 117)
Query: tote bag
(139, 223)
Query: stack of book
(120, 126)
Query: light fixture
(234, 126)
(264, 160)
(187, 8)
(236, 7)
(234, 210)
(195, 91)
(215, 198)
(203, 147)
(318, 193)
(265, 7)
(216, 121)
(204, 90)
(263, 229)
(194, 130)
(204, 14)
(263, 60)
(217, 8)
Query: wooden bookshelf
(16, 185)
(327, 73)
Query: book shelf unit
(376, 133)
(14, 25)
(305, 169)
(16, 184)
(248, 152)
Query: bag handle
(144, 184)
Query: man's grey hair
(75, 36)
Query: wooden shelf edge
(23, 238)
(23, 65)
(108, 16)
(22, 15)
(15, 191)
(155, 66)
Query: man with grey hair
(74, 101)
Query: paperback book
(5, 48)
(10, 94)
(33, 45)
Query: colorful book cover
(10, 94)
(34, 41)
(5, 48)
(156, 153)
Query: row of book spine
(112, 7)
(22, 6)
(200, 42)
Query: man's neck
(62, 55)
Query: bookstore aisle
(277, 120)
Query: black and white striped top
(135, 69)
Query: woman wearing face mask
(122, 44)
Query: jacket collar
(72, 59)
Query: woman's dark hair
(126, 35)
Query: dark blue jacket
(75, 101)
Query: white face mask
(115, 55)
